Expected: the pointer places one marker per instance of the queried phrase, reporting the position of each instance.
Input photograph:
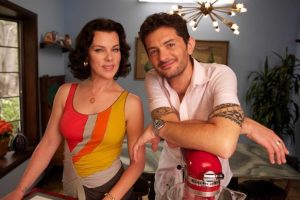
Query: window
(22, 71)
(10, 94)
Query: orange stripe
(97, 135)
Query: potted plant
(271, 93)
(5, 134)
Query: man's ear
(191, 45)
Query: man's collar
(199, 76)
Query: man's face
(167, 52)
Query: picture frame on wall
(141, 60)
(206, 51)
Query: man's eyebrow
(150, 48)
(164, 43)
(168, 41)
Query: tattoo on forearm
(230, 111)
(159, 112)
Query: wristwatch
(157, 125)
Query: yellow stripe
(104, 154)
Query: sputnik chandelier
(213, 9)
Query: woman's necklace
(92, 100)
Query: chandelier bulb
(243, 10)
(207, 5)
(215, 24)
(234, 27)
(192, 23)
(239, 5)
(237, 32)
(194, 28)
(175, 7)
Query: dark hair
(158, 20)
(84, 40)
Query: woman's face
(104, 54)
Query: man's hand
(147, 137)
(266, 138)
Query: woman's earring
(85, 63)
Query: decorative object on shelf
(52, 39)
(212, 8)
(19, 142)
(271, 95)
(67, 41)
(5, 135)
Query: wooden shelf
(13, 159)
(54, 45)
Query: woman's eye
(98, 50)
(116, 50)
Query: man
(194, 105)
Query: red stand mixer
(203, 174)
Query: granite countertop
(251, 161)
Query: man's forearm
(219, 139)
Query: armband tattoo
(230, 111)
(161, 111)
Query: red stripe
(97, 135)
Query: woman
(93, 116)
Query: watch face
(158, 124)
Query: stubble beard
(173, 74)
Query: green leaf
(270, 94)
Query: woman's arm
(135, 126)
(44, 151)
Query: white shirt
(211, 85)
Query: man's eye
(171, 44)
(152, 52)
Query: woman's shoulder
(133, 97)
(64, 89)
(133, 106)
(133, 100)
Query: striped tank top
(94, 140)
